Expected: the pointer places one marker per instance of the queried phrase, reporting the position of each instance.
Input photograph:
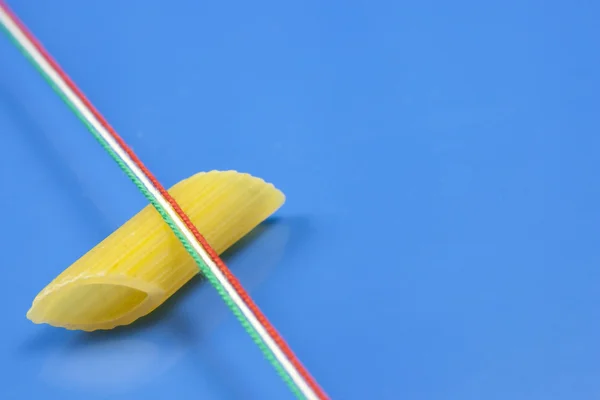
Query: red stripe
(211, 252)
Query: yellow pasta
(142, 263)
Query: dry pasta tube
(141, 264)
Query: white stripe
(30, 48)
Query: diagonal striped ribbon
(270, 342)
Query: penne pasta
(141, 264)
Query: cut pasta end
(95, 303)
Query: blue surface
(440, 159)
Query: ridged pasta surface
(142, 263)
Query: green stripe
(163, 213)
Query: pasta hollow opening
(96, 303)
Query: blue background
(440, 160)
